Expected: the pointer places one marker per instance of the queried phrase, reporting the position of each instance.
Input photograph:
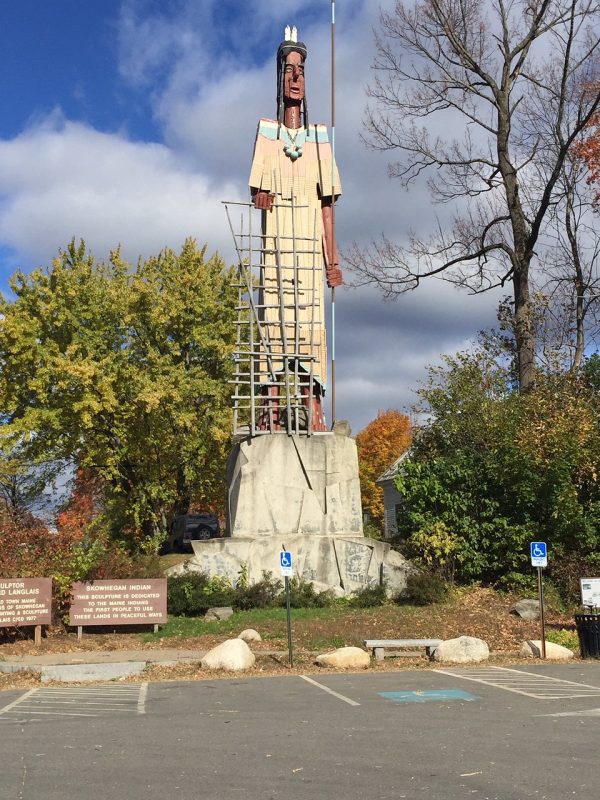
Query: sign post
(285, 563)
(539, 559)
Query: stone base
(282, 485)
(342, 564)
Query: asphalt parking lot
(491, 732)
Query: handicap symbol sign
(285, 562)
(539, 554)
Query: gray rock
(219, 612)
(250, 635)
(234, 655)
(527, 609)
(463, 650)
(554, 652)
(345, 658)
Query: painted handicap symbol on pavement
(432, 695)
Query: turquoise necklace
(292, 146)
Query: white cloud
(63, 179)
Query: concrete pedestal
(340, 563)
(301, 493)
(282, 485)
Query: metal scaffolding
(277, 388)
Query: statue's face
(293, 77)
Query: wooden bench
(379, 646)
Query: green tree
(124, 372)
(494, 469)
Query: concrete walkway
(93, 665)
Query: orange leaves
(82, 506)
(589, 151)
(379, 445)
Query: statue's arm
(332, 268)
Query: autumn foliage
(379, 445)
(80, 547)
(589, 151)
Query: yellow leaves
(379, 445)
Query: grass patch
(271, 622)
(564, 637)
(171, 560)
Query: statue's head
(291, 55)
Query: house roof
(392, 471)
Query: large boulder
(554, 652)
(527, 609)
(250, 635)
(234, 655)
(219, 612)
(345, 658)
(463, 650)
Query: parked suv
(188, 527)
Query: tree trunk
(524, 337)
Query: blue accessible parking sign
(539, 554)
(285, 562)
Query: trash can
(588, 630)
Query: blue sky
(129, 121)
(64, 54)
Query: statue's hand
(334, 276)
(263, 200)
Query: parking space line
(141, 703)
(57, 713)
(529, 684)
(330, 691)
(79, 701)
(592, 712)
(17, 701)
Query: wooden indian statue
(294, 182)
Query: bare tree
(571, 281)
(505, 72)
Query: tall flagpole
(332, 251)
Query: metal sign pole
(541, 599)
(289, 620)
(332, 251)
(285, 562)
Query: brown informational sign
(25, 601)
(119, 602)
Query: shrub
(564, 637)
(372, 530)
(368, 597)
(193, 594)
(304, 595)
(423, 589)
(263, 594)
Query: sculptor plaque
(119, 602)
(25, 601)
